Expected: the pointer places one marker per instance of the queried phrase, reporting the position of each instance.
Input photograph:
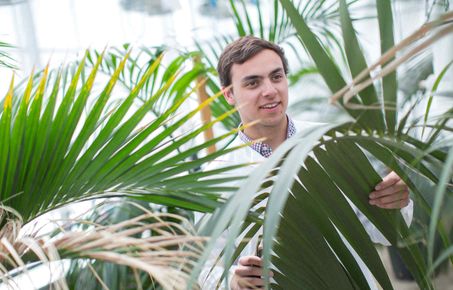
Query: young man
(253, 73)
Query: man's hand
(248, 274)
(392, 192)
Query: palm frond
(65, 142)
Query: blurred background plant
(5, 59)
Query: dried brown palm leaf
(155, 243)
(11, 222)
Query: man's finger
(401, 195)
(250, 282)
(244, 271)
(394, 189)
(388, 180)
(251, 261)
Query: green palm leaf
(67, 142)
(333, 162)
(390, 86)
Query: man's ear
(228, 94)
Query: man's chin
(272, 122)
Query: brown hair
(242, 50)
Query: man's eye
(251, 84)
(277, 77)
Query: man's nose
(269, 89)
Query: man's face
(260, 89)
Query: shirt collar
(262, 148)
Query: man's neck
(274, 135)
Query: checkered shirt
(262, 148)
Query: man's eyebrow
(250, 78)
(255, 77)
(277, 70)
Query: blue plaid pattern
(262, 148)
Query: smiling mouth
(270, 106)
